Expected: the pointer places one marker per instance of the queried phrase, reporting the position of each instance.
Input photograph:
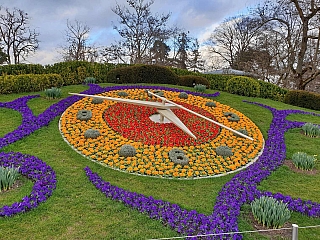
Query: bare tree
(231, 39)
(160, 52)
(18, 40)
(116, 52)
(195, 61)
(3, 56)
(78, 48)
(298, 22)
(139, 28)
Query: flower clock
(112, 125)
(118, 124)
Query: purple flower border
(241, 189)
(35, 169)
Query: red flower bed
(133, 122)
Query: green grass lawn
(76, 210)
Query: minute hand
(199, 115)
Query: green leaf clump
(53, 93)
(303, 161)
(90, 80)
(200, 88)
(270, 212)
(8, 175)
(311, 130)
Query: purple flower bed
(36, 170)
(30, 166)
(242, 188)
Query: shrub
(142, 74)
(270, 212)
(92, 133)
(177, 156)
(18, 69)
(8, 175)
(311, 130)
(272, 91)
(74, 72)
(243, 131)
(183, 95)
(244, 86)
(231, 116)
(224, 151)
(122, 94)
(159, 93)
(200, 88)
(84, 115)
(53, 93)
(192, 81)
(89, 80)
(303, 99)
(218, 81)
(127, 150)
(303, 161)
(97, 100)
(29, 82)
(211, 104)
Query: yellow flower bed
(153, 160)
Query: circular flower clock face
(121, 124)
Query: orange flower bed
(153, 142)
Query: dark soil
(273, 234)
(18, 183)
(293, 168)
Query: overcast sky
(49, 18)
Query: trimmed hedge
(29, 82)
(72, 72)
(272, 91)
(244, 86)
(303, 99)
(16, 69)
(218, 81)
(192, 80)
(75, 72)
(142, 74)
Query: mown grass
(76, 210)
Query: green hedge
(72, 72)
(192, 80)
(244, 86)
(303, 99)
(28, 82)
(75, 72)
(218, 81)
(272, 91)
(17, 69)
(142, 74)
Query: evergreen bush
(142, 74)
(244, 86)
(303, 99)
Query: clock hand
(199, 115)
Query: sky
(49, 18)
